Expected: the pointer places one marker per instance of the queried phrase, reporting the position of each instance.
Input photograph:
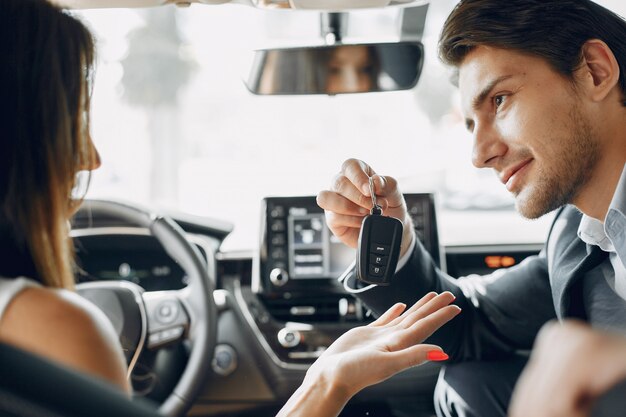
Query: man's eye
(499, 100)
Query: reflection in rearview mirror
(336, 69)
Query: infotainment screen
(313, 251)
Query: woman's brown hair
(47, 57)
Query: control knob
(289, 338)
(279, 277)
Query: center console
(296, 303)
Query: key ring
(376, 209)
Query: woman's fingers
(424, 328)
(414, 355)
(425, 299)
(403, 338)
(431, 306)
(393, 312)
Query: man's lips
(506, 175)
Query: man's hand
(349, 200)
(571, 366)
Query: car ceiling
(329, 5)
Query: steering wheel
(155, 319)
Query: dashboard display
(135, 258)
(297, 245)
(314, 251)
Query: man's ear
(599, 70)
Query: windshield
(177, 128)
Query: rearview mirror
(336, 69)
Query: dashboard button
(280, 264)
(167, 312)
(165, 336)
(278, 226)
(224, 360)
(279, 254)
(289, 338)
(278, 240)
(277, 212)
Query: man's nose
(488, 146)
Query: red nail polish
(437, 356)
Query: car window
(177, 128)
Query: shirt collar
(611, 234)
(618, 203)
(591, 231)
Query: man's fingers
(358, 173)
(353, 184)
(346, 228)
(333, 201)
(387, 189)
(342, 185)
(389, 315)
(343, 217)
(336, 221)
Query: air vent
(330, 308)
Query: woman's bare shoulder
(62, 326)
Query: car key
(378, 246)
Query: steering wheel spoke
(167, 318)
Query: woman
(47, 61)
(47, 57)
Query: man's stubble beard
(560, 183)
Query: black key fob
(379, 248)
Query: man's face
(527, 125)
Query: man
(543, 89)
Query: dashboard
(127, 255)
(281, 304)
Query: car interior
(200, 237)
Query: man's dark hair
(554, 30)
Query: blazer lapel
(573, 263)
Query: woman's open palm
(370, 354)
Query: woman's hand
(367, 355)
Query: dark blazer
(503, 311)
